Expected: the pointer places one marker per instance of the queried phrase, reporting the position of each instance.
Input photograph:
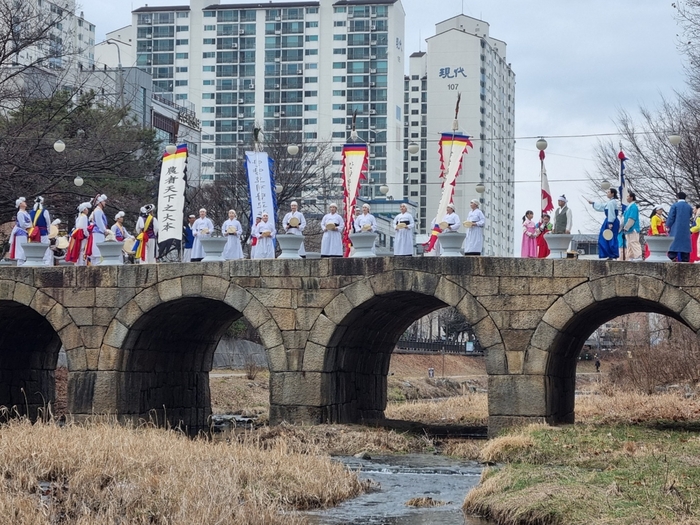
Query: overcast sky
(577, 64)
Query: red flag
(547, 204)
(428, 246)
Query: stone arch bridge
(140, 339)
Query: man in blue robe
(678, 224)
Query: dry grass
(236, 394)
(471, 409)
(500, 449)
(425, 502)
(105, 473)
(618, 406)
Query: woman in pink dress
(529, 245)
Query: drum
(53, 231)
(231, 230)
(204, 231)
(467, 224)
(366, 227)
(294, 222)
(128, 247)
(444, 225)
(608, 234)
(401, 226)
(331, 226)
(266, 233)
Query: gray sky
(577, 63)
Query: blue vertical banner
(259, 168)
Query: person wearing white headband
(451, 218)
(98, 226)
(474, 241)
(79, 237)
(232, 229)
(39, 231)
(201, 229)
(265, 233)
(147, 236)
(19, 235)
(118, 229)
(300, 225)
(332, 240)
(562, 217)
(404, 226)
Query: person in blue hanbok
(678, 223)
(608, 245)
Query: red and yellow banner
(354, 168)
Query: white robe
(403, 242)
(474, 241)
(295, 231)
(151, 243)
(81, 223)
(98, 234)
(452, 219)
(265, 248)
(233, 249)
(24, 222)
(197, 250)
(332, 241)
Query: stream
(401, 478)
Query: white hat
(84, 206)
(143, 210)
(563, 198)
(20, 201)
(38, 202)
(474, 201)
(192, 216)
(333, 204)
(149, 208)
(234, 212)
(365, 205)
(451, 205)
(56, 222)
(202, 210)
(294, 203)
(119, 215)
(100, 198)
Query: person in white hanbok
(265, 233)
(201, 229)
(366, 222)
(231, 229)
(79, 237)
(451, 218)
(295, 230)
(474, 241)
(332, 240)
(120, 232)
(403, 242)
(98, 219)
(18, 237)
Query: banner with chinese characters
(171, 200)
(453, 146)
(354, 168)
(259, 168)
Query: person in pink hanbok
(529, 245)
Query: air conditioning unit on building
(373, 15)
(149, 35)
(373, 57)
(241, 115)
(240, 128)
(251, 86)
(372, 139)
(241, 100)
(277, 114)
(349, 126)
(372, 111)
(277, 128)
(372, 84)
(372, 27)
(241, 32)
(278, 32)
(278, 18)
(277, 86)
(372, 71)
(277, 59)
(373, 127)
(300, 71)
(234, 46)
(373, 42)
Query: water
(402, 478)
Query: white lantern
(59, 146)
(541, 144)
(78, 181)
(413, 148)
(292, 149)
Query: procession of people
(619, 235)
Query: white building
(269, 65)
(463, 59)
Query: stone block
(93, 358)
(298, 415)
(295, 358)
(148, 299)
(137, 275)
(536, 361)
(81, 388)
(449, 292)
(517, 395)
(650, 288)
(170, 290)
(514, 286)
(338, 309)
(104, 276)
(42, 303)
(270, 334)
(487, 332)
(691, 314)
(129, 314)
(556, 286)
(81, 316)
(295, 339)
(425, 283)
(116, 334)
(255, 313)
(76, 359)
(170, 271)
(544, 337)
(284, 317)
(58, 317)
(322, 331)
(580, 298)
(24, 293)
(114, 297)
(526, 319)
(515, 302)
(110, 358)
(277, 359)
(306, 317)
(674, 298)
(571, 268)
(382, 283)
(191, 285)
(93, 335)
(515, 361)
(106, 392)
(299, 388)
(476, 285)
(272, 297)
(626, 285)
(315, 358)
(285, 268)
(495, 359)
(315, 298)
(7, 290)
(603, 289)
(359, 292)
(501, 319)
(471, 309)
(516, 267)
(244, 268)
(281, 282)
(103, 316)
(516, 340)
(237, 297)
(71, 337)
(559, 314)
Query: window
(339, 120)
(182, 42)
(180, 83)
(311, 135)
(208, 96)
(182, 69)
(311, 24)
(181, 96)
(338, 134)
(339, 106)
(208, 124)
(182, 14)
(339, 37)
(311, 38)
(208, 109)
(209, 41)
(311, 107)
(339, 51)
(208, 82)
(338, 92)
(182, 56)
(210, 28)
(209, 14)
(181, 29)
(311, 10)
(309, 52)
(208, 54)
(338, 9)
(310, 93)
(338, 65)
(308, 121)
(311, 80)
(339, 23)
(209, 69)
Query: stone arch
(560, 336)
(350, 345)
(33, 327)
(159, 347)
